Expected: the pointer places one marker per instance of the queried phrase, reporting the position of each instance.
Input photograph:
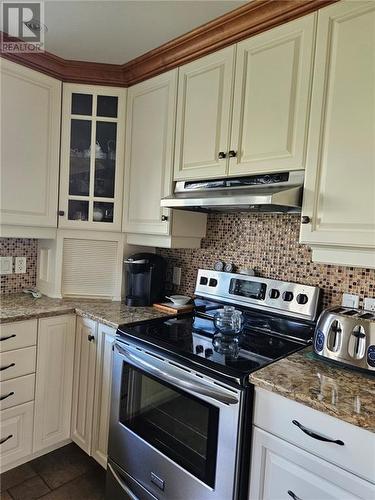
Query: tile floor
(64, 474)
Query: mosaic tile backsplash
(269, 244)
(19, 247)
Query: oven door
(173, 430)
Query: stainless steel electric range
(181, 404)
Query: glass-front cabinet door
(92, 157)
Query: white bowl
(179, 300)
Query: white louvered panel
(89, 267)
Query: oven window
(179, 425)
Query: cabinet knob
(61, 213)
(90, 338)
(232, 154)
(221, 155)
(164, 218)
(305, 219)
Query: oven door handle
(180, 381)
(125, 488)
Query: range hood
(278, 193)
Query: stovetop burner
(193, 337)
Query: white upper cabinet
(203, 116)
(339, 199)
(262, 125)
(92, 157)
(151, 115)
(271, 99)
(30, 142)
(150, 133)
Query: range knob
(208, 352)
(274, 293)
(199, 349)
(302, 298)
(288, 296)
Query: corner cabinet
(339, 197)
(151, 115)
(30, 144)
(245, 109)
(92, 157)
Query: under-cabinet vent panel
(89, 268)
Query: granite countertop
(18, 307)
(340, 392)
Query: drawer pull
(6, 439)
(8, 337)
(6, 396)
(314, 435)
(293, 495)
(6, 367)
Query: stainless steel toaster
(347, 336)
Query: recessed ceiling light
(36, 25)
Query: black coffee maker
(145, 282)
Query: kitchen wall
(19, 247)
(268, 243)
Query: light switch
(6, 265)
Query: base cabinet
(92, 387)
(280, 470)
(84, 381)
(54, 379)
(102, 396)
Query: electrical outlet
(176, 276)
(20, 265)
(6, 265)
(369, 304)
(350, 300)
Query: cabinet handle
(6, 439)
(305, 219)
(293, 495)
(221, 155)
(6, 396)
(6, 367)
(232, 154)
(164, 218)
(8, 337)
(61, 213)
(90, 338)
(314, 435)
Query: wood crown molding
(253, 18)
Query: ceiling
(118, 31)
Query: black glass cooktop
(194, 339)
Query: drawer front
(280, 470)
(16, 431)
(276, 414)
(17, 363)
(18, 334)
(17, 391)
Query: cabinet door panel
(271, 100)
(340, 175)
(280, 470)
(102, 399)
(203, 115)
(92, 157)
(149, 153)
(30, 139)
(84, 382)
(53, 394)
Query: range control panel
(290, 299)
